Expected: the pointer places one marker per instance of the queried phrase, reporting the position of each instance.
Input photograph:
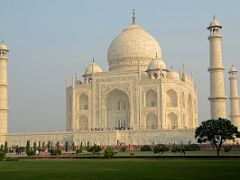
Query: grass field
(121, 169)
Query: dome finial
(214, 17)
(93, 60)
(133, 16)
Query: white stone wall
(22, 138)
(133, 137)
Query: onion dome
(157, 64)
(132, 48)
(92, 68)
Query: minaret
(234, 98)
(3, 89)
(217, 91)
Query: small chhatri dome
(92, 68)
(232, 70)
(132, 48)
(3, 47)
(173, 75)
(214, 23)
(157, 64)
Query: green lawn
(121, 169)
(169, 153)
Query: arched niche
(151, 98)
(151, 121)
(172, 100)
(83, 100)
(118, 110)
(172, 120)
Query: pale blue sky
(49, 40)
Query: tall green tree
(216, 132)
(34, 146)
(66, 146)
(28, 146)
(6, 147)
(58, 146)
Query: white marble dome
(132, 46)
(92, 68)
(156, 64)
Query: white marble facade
(138, 92)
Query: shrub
(109, 153)
(123, 149)
(192, 147)
(131, 154)
(175, 149)
(146, 148)
(79, 151)
(227, 148)
(95, 149)
(160, 148)
(2, 155)
(56, 152)
(30, 152)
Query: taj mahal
(138, 101)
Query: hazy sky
(49, 40)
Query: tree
(66, 146)
(58, 146)
(28, 146)
(49, 146)
(88, 147)
(73, 146)
(43, 146)
(216, 132)
(6, 147)
(34, 146)
(39, 145)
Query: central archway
(118, 111)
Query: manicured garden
(121, 169)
